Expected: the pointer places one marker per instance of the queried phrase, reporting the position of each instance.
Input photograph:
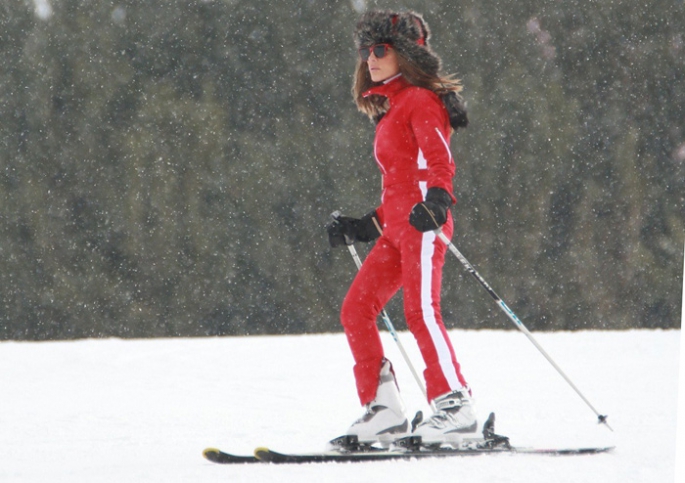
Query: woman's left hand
(431, 214)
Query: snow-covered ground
(143, 410)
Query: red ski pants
(402, 258)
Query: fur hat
(407, 32)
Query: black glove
(344, 230)
(432, 213)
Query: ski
(269, 456)
(217, 456)
(266, 455)
(347, 449)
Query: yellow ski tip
(261, 449)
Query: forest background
(167, 167)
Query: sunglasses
(379, 51)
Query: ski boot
(454, 417)
(384, 419)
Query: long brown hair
(446, 87)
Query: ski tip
(211, 454)
(260, 451)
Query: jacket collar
(389, 87)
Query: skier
(415, 109)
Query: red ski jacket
(411, 148)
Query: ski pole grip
(335, 216)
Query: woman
(397, 84)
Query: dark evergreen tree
(168, 166)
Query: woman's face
(385, 67)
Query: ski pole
(391, 328)
(602, 419)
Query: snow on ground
(143, 410)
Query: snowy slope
(143, 410)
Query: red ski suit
(412, 151)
